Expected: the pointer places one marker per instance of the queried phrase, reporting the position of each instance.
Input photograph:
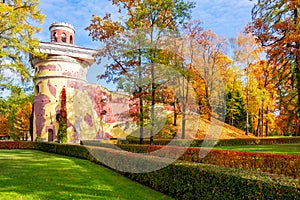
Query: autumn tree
(148, 19)
(275, 23)
(182, 62)
(14, 108)
(207, 51)
(198, 56)
(18, 24)
(4, 125)
(22, 122)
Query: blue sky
(224, 17)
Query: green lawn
(293, 149)
(30, 174)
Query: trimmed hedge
(225, 142)
(186, 180)
(288, 165)
(98, 143)
(200, 181)
(15, 145)
(63, 149)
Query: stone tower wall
(92, 111)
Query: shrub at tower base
(62, 133)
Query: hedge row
(225, 142)
(258, 141)
(63, 149)
(186, 180)
(15, 145)
(189, 180)
(200, 181)
(288, 165)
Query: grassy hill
(213, 129)
(196, 128)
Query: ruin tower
(66, 67)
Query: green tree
(235, 110)
(19, 21)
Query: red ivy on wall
(63, 109)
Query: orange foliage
(4, 126)
(22, 121)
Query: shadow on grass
(28, 174)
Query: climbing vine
(62, 136)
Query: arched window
(50, 135)
(37, 90)
(63, 37)
(55, 37)
(71, 39)
(103, 112)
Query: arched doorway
(50, 135)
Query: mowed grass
(292, 149)
(30, 174)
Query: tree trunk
(247, 114)
(232, 119)
(297, 63)
(152, 111)
(267, 122)
(207, 102)
(262, 120)
(298, 93)
(152, 103)
(175, 112)
(186, 98)
(183, 120)
(183, 109)
(141, 117)
(257, 132)
(31, 123)
(140, 89)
